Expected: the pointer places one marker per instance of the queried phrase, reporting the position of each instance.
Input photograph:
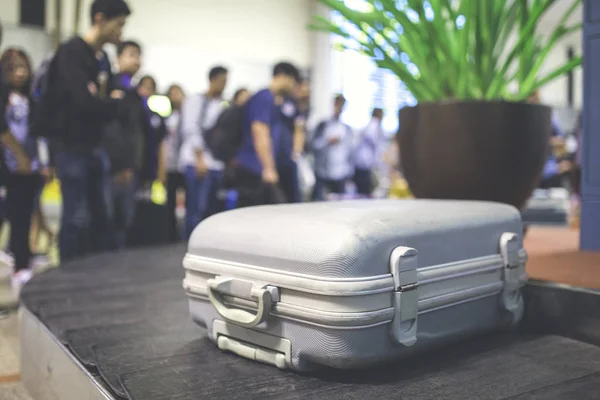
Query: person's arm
(261, 136)
(260, 112)
(161, 174)
(191, 133)
(80, 88)
(162, 153)
(8, 140)
(299, 137)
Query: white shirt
(334, 161)
(192, 132)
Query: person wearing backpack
(202, 171)
(74, 111)
(257, 179)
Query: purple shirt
(260, 108)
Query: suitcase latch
(514, 270)
(407, 288)
(403, 266)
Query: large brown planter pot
(474, 150)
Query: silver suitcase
(356, 283)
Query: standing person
(122, 141)
(241, 97)
(367, 152)
(150, 225)
(153, 167)
(175, 180)
(257, 179)
(291, 141)
(8, 142)
(203, 173)
(22, 186)
(74, 113)
(332, 144)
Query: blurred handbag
(51, 193)
(400, 189)
(151, 221)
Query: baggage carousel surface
(124, 318)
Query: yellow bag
(400, 189)
(51, 192)
(158, 193)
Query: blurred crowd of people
(123, 161)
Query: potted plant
(471, 65)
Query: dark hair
(238, 93)
(376, 111)
(339, 98)
(287, 69)
(216, 71)
(110, 9)
(5, 68)
(173, 87)
(146, 78)
(128, 43)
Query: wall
(35, 41)
(9, 12)
(182, 39)
(556, 93)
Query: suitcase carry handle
(236, 316)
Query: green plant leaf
(476, 59)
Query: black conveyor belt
(125, 316)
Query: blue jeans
(121, 211)
(84, 180)
(200, 197)
(288, 179)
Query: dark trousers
(84, 180)
(201, 197)
(122, 211)
(332, 186)
(175, 182)
(252, 191)
(363, 181)
(21, 192)
(288, 178)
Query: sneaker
(7, 259)
(19, 279)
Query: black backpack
(48, 120)
(225, 138)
